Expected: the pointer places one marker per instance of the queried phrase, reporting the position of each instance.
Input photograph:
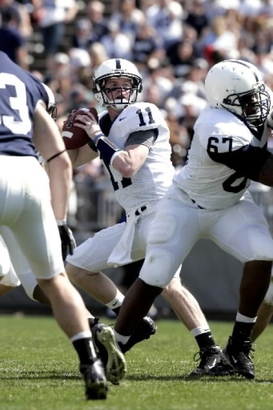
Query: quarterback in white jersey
(209, 199)
(132, 139)
(147, 184)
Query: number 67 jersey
(224, 156)
(152, 180)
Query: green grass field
(39, 371)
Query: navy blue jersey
(19, 93)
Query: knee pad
(157, 269)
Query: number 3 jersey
(155, 176)
(219, 138)
(20, 93)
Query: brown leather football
(75, 137)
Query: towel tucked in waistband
(121, 254)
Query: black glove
(67, 239)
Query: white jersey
(210, 184)
(139, 195)
(155, 176)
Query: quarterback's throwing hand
(88, 122)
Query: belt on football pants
(140, 210)
(195, 203)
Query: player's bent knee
(73, 273)
(157, 269)
(77, 275)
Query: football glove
(67, 239)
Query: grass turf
(39, 371)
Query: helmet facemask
(51, 105)
(253, 105)
(107, 95)
(52, 111)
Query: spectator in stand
(197, 75)
(181, 55)
(147, 45)
(12, 41)
(218, 36)
(54, 15)
(95, 13)
(98, 54)
(196, 16)
(166, 16)
(83, 34)
(128, 18)
(117, 44)
(59, 78)
(159, 78)
(80, 62)
(25, 25)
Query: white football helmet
(116, 67)
(237, 86)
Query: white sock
(121, 339)
(116, 302)
(245, 319)
(199, 330)
(81, 335)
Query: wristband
(97, 137)
(107, 149)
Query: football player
(30, 212)
(209, 198)
(132, 139)
(10, 249)
(15, 270)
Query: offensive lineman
(209, 199)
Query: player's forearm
(81, 156)
(60, 175)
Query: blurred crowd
(172, 42)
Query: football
(75, 137)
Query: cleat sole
(116, 364)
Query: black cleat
(145, 330)
(95, 381)
(212, 363)
(239, 356)
(109, 352)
